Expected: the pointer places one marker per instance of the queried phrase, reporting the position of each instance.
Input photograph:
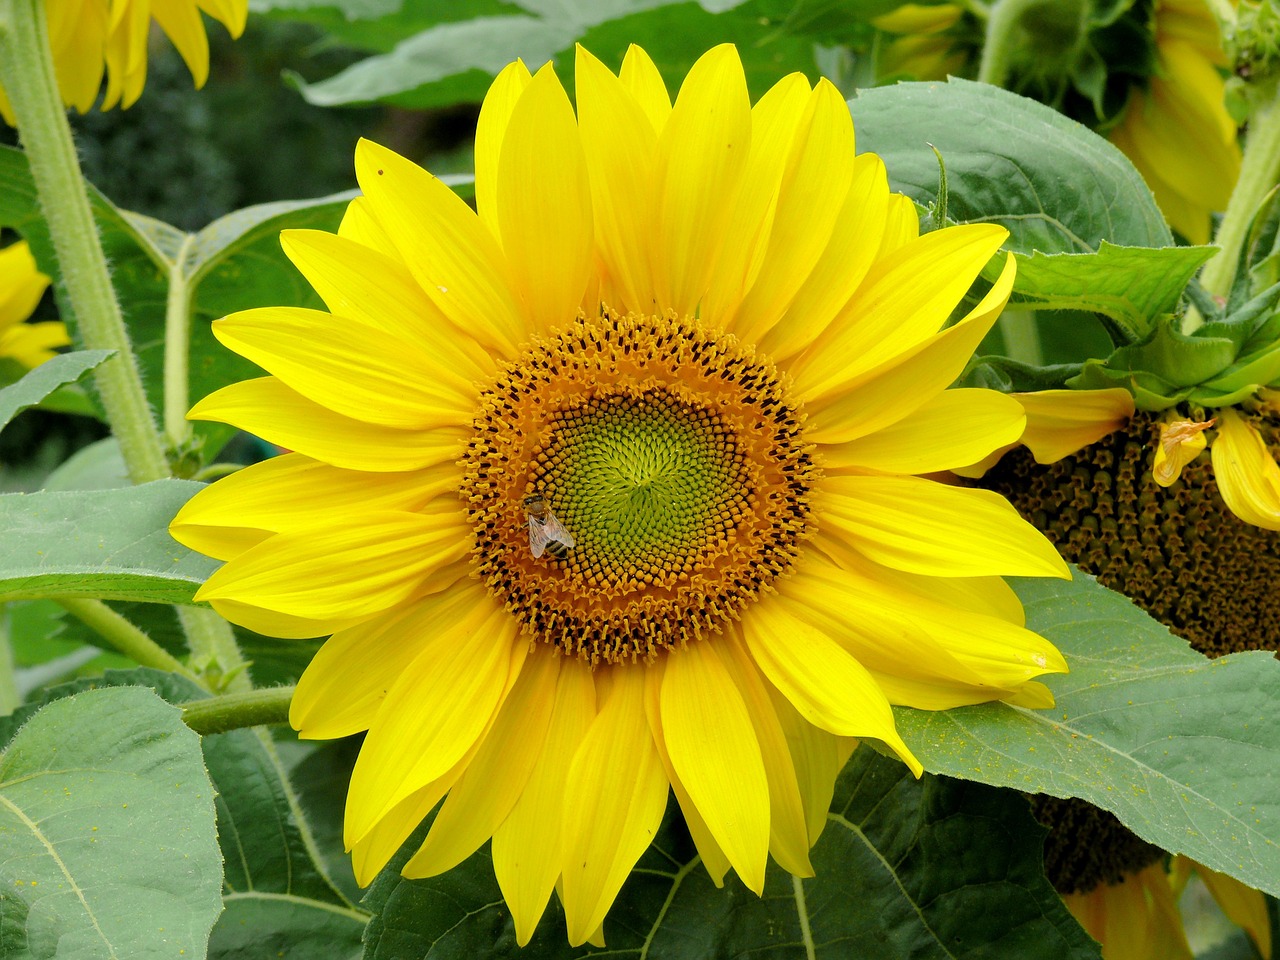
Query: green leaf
(932, 870)
(45, 379)
(106, 544)
(273, 873)
(1183, 749)
(257, 925)
(1057, 186)
(429, 61)
(107, 841)
(1132, 285)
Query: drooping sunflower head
(91, 37)
(612, 487)
(21, 287)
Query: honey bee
(546, 533)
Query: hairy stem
(124, 636)
(236, 710)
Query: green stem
(26, 71)
(1003, 37)
(1259, 172)
(236, 710)
(124, 636)
(177, 342)
(9, 697)
(213, 644)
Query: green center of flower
(633, 483)
(642, 482)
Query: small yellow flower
(613, 489)
(21, 287)
(90, 37)
(1181, 441)
(1138, 918)
(1177, 131)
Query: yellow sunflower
(612, 488)
(1177, 131)
(1139, 918)
(21, 287)
(90, 37)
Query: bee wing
(553, 530)
(538, 536)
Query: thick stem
(124, 636)
(213, 645)
(236, 710)
(1259, 172)
(26, 70)
(1001, 39)
(177, 341)
(10, 699)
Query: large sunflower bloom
(90, 37)
(1177, 131)
(1138, 918)
(699, 345)
(21, 287)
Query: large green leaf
(111, 544)
(905, 868)
(45, 379)
(275, 888)
(1057, 186)
(1183, 749)
(431, 57)
(107, 841)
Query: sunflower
(1138, 917)
(21, 287)
(90, 37)
(1177, 130)
(612, 488)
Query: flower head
(21, 287)
(91, 37)
(694, 352)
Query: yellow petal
(901, 225)
(1247, 475)
(713, 858)
(434, 712)
(1060, 422)
(350, 367)
(922, 526)
(1135, 919)
(702, 151)
(841, 266)
(774, 121)
(954, 428)
(360, 224)
(614, 799)
(496, 775)
(230, 516)
(527, 846)
(641, 77)
(713, 747)
(451, 254)
(1181, 441)
(269, 409)
(544, 203)
(829, 688)
(21, 284)
(845, 408)
(788, 831)
(372, 851)
(491, 127)
(344, 572)
(364, 283)
(343, 687)
(905, 299)
(1244, 906)
(182, 23)
(814, 186)
(817, 757)
(622, 181)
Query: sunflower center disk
(672, 459)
